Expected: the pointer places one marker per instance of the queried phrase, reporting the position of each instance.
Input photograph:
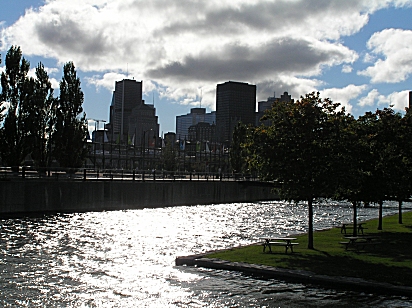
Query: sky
(355, 52)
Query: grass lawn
(388, 261)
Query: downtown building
(235, 103)
(264, 105)
(196, 116)
(131, 120)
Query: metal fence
(83, 174)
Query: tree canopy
(36, 123)
(314, 149)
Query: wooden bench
(281, 244)
(346, 226)
(359, 243)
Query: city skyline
(355, 52)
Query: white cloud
(344, 95)
(107, 81)
(179, 45)
(370, 99)
(347, 69)
(395, 48)
(399, 100)
(368, 58)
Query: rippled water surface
(126, 258)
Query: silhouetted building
(131, 120)
(196, 115)
(264, 105)
(235, 102)
(203, 132)
(410, 100)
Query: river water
(126, 258)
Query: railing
(83, 174)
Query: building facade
(235, 102)
(196, 115)
(203, 132)
(131, 120)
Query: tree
(237, 155)
(353, 165)
(17, 90)
(169, 157)
(296, 150)
(70, 134)
(41, 119)
(392, 167)
(402, 188)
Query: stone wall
(39, 196)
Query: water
(126, 258)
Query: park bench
(279, 242)
(349, 226)
(359, 242)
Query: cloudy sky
(356, 52)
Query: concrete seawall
(33, 196)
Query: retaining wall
(31, 196)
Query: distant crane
(96, 126)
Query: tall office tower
(126, 96)
(235, 102)
(130, 118)
(196, 115)
(143, 126)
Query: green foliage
(41, 119)
(70, 134)
(237, 154)
(314, 149)
(17, 90)
(35, 122)
(296, 150)
(169, 157)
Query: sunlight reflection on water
(126, 258)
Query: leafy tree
(70, 135)
(169, 157)
(41, 118)
(17, 90)
(353, 164)
(392, 166)
(374, 167)
(296, 150)
(402, 188)
(237, 155)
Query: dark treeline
(314, 149)
(35, 123)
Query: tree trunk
(400, 212)
(355, 218)
(380, 215)
(310, 231)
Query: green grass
(389, 261)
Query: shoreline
(296, 276)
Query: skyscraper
(130, 117)
(235, 102)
